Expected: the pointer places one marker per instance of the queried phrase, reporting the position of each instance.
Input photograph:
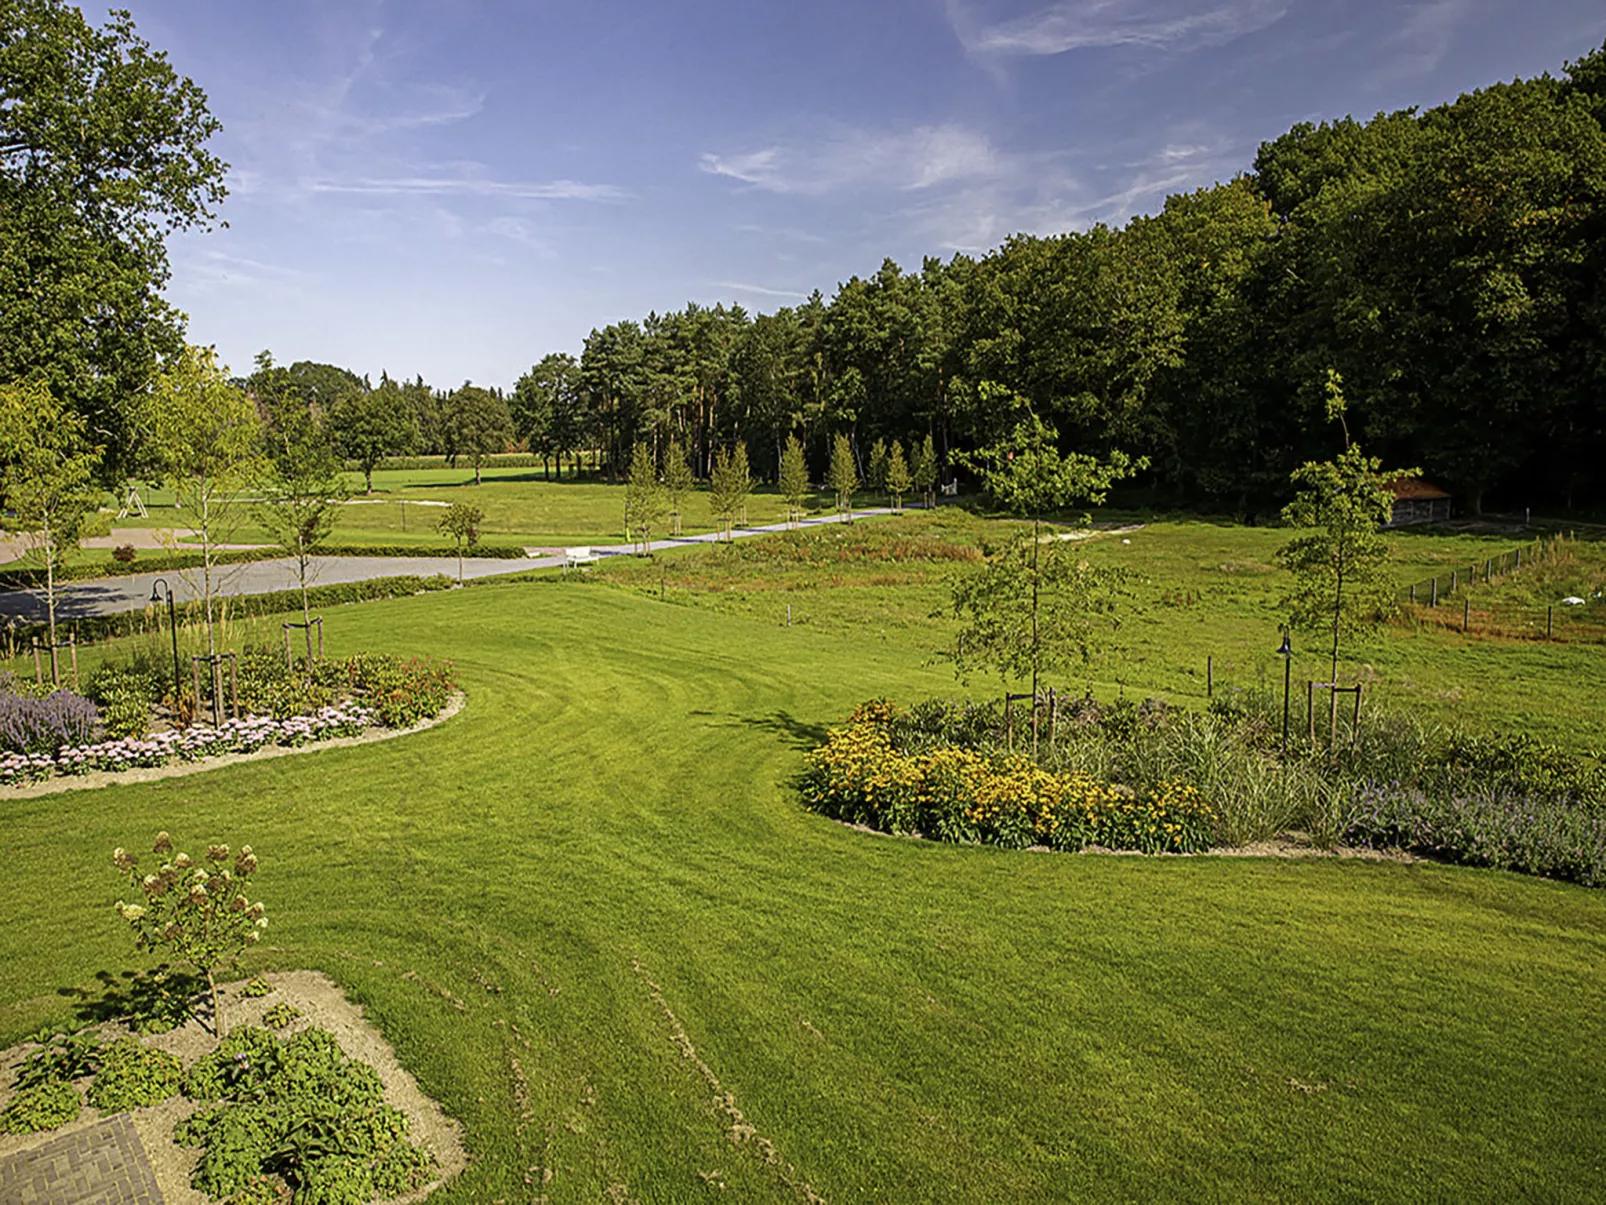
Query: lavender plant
(44, 725)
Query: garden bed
(317, 1004)
(92, 779)
(1150, 778)
(127, 725)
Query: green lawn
(901, 1020)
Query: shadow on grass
(151, 1001)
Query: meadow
(521, 507)
(596, 923)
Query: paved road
(110, 595)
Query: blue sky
(455, 188)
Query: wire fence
(1453, 601)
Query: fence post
(1210, 677)
(1435, 600)
(1455, 580)
(1519, 558)
(1310, 712)
(1466, 612)
(1413, 594)
(1550, 620)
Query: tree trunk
(219, 1030)
(50, 602)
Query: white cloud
(561, 190)
(851, 159)
(759, 290)
(1082, 24)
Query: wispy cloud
(435, 186)
(948, 184)
(368, 126)
(1082, 24)
(759, 290)
(847, 159)
(1422, 39)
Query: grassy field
(520, 506)
(1204, 593)
(549, 902)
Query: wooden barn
(1417, 501)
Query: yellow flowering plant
(948, 793)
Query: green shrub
(124, 694)
(256, 988)
(303, 1111)
(133, 1076)
(402, 692)
(60, 1058)
(42, 1107)
(281, 1014)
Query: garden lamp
(172, 625)
(1286, 652)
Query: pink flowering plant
(201, 914)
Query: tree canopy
(102, 155)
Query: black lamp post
(172, 624)
(1287, 654)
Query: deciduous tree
(206, 438)
(844, 474)
(47, 472)
(794, 480)
(103, 153)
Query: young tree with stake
(1341, 587)
(302, 493)
(923, 473)
(897, 475)
(678, 481)
(462, 522)
(844, 474)
(794, 480)
(206, 438)
(47, 482)
(1028, 611)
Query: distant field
(520, 505)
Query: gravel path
(110, 595)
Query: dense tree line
(1451, 264)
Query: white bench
(575, 558)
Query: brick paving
(104, 1165)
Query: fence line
(1432, 591)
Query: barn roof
(1404, 488)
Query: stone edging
(96, 779)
